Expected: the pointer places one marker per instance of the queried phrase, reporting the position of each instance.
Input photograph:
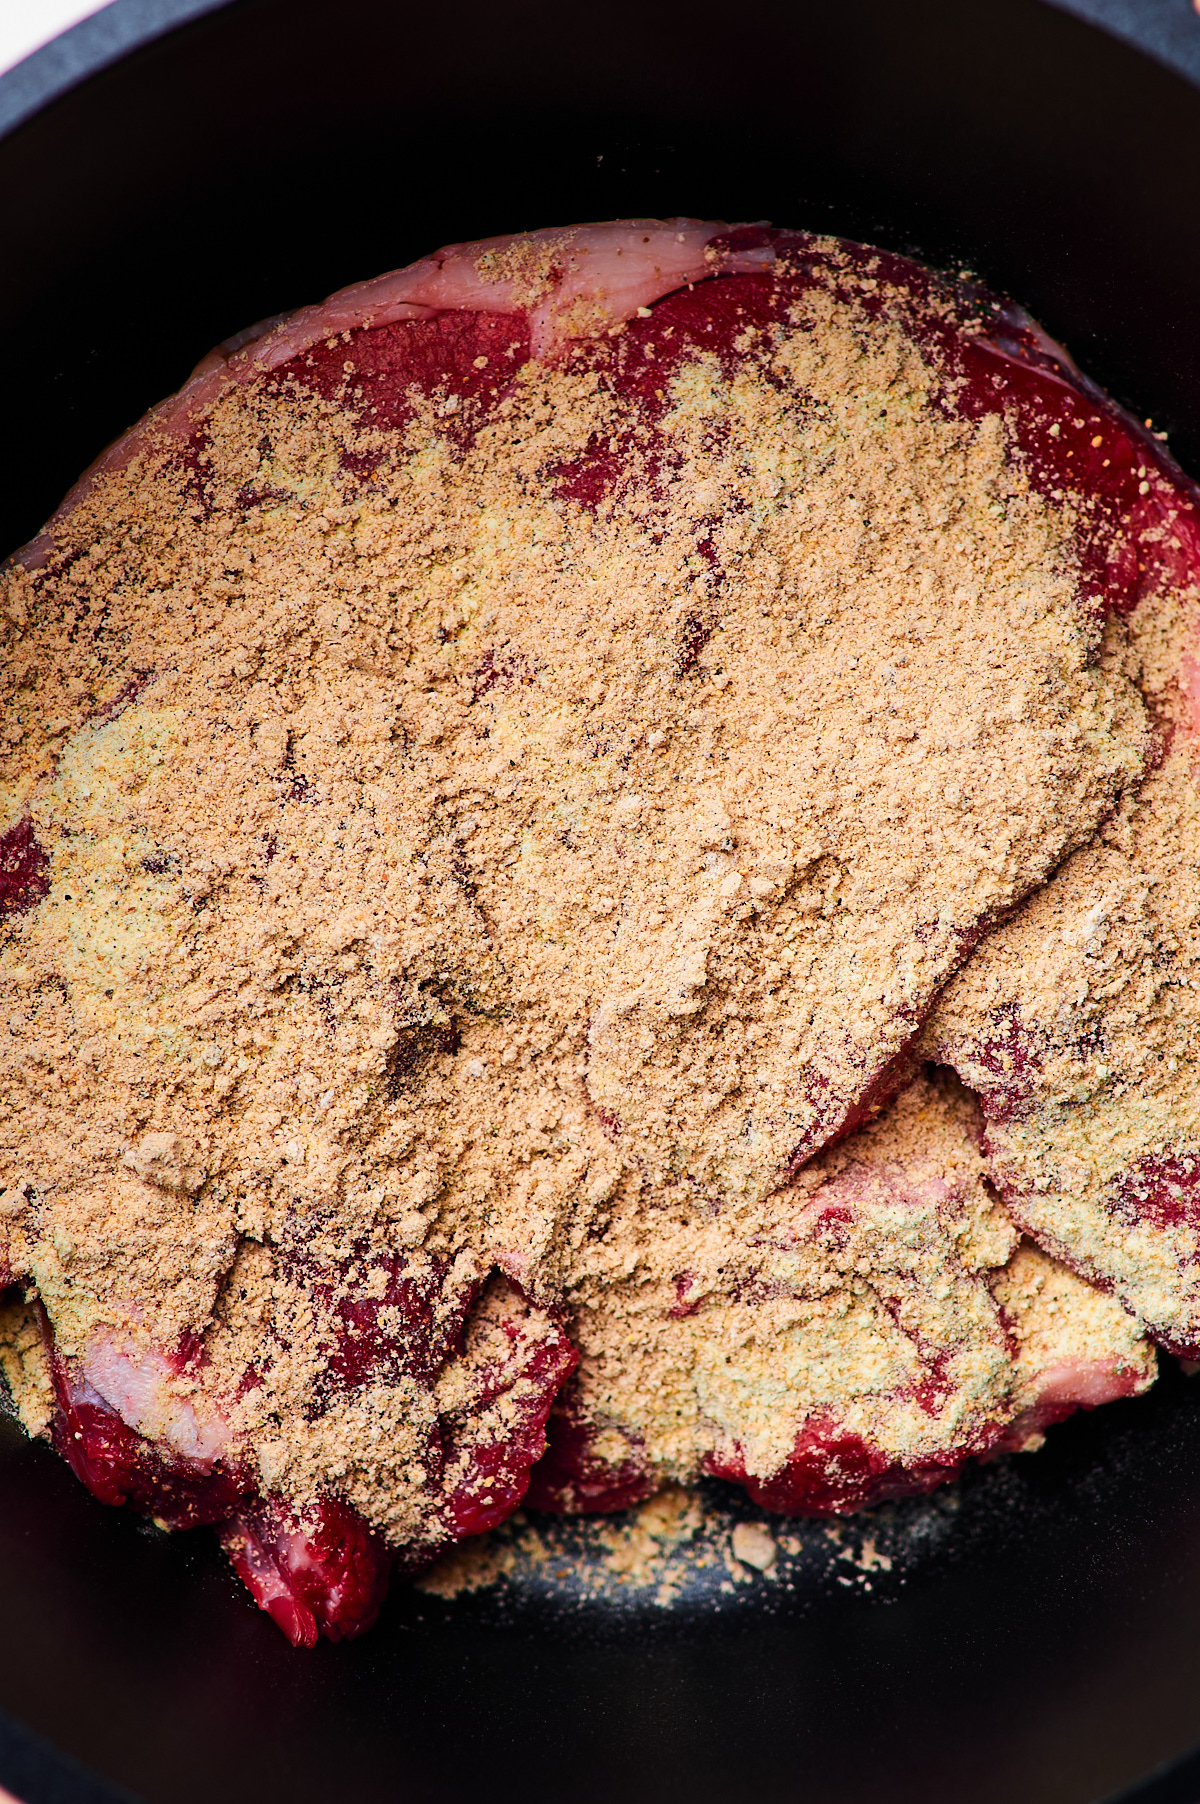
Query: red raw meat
(457, 328)
(315, 1571)
(23, 867)
(452, 327)
(898, 1274)
(574, 1479)
(119, 1465)
(319, 1568)
(1075, 1022)
(831, 1473)
(489, 1470)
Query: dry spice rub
(498, 774)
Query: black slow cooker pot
(1040, 1641)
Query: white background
(27, 24)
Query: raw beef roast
(517, 784)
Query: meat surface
(558, 285)
(459, 1382)
(485, 827)
(316, 1571)
(856, 1338)
(1077, 1025)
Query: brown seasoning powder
(410, 890)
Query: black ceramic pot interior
(1035, 1639)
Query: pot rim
(84, 49)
